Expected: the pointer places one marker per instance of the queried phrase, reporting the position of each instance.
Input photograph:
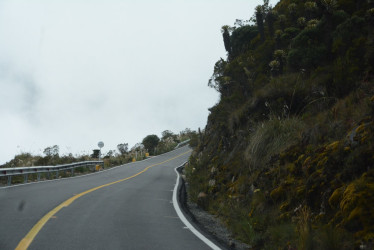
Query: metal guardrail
(182, 143)
(25, 171)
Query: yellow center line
(26, 241)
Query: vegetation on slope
(286, 159)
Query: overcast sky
(73, 73)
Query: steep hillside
(286, 159)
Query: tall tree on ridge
(270, 19)
(226, 39)
(259, 12)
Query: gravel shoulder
(210, 224)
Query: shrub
(241, 38)
(272, 137)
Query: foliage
(286, 157)
(241, 39)
(259, 12)
(307, 52)
(52, 151)
(218, 80)
(167, 134)
(150, 142)
(226, 38)
(123, 148)
(270, 138)
(111, 158)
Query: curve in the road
(185, 221)
(27, 240)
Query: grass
(272, 137)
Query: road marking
(185, 221)
(30, 236)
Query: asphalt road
(135, 213)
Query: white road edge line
(183, 218)
(84, 175)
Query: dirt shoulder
(210, 224)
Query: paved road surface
(134, 213)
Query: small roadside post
(100, 144)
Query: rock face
(286, 158)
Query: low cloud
(73, 73)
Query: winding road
(126, 207)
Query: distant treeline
(151, 144)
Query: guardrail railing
(182, 143)
(25, 171)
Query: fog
(73, 73)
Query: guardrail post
(9, 180)
(25, 178)
(57, 174)
(48, 175)
(72, 172)
(38, 176)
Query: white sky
(73, 73)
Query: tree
(259, 13)
(312, 23)
(166, 134)
(280, 56)
(271, 17)
(109, 154)
(301, 22)
(186, 133)
(241, 39)
(266, 7)
(278, 38)
(370, 39)
(292, 8)
(150, 142)
(274, 67)
(329, 7)
(310, 9)
(226, 38)
(282, 21)
(307, 50)
(123, 148)
(218, 81)
(51, 151)
(137, 147)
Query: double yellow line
(26, 241)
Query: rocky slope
(286, 159)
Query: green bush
(272, 137)
(241, 39)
